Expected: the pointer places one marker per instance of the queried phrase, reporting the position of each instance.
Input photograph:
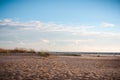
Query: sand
(59, 68)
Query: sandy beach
(59, 68)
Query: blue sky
(60, 25)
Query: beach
(54, 67)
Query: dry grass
(23, 50)
(17, 50)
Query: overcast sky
(61, 25)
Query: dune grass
(23, 50)
(17, 50)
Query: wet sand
(60, 68)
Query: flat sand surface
(60, 68)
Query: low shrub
(43, 54)
(72, 54)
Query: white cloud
(74, 41)
(37, 25)
(8, 22)
(22, 43)
(108, 25)
(57, 37)
(45, 40)
(79, 30)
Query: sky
(61, 25)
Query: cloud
(45, 40)
(5, 22)
(22, 43)
(8, 22)
(73, 41)
(57, 37)
(79, 30)
(108, 25)
(37, 25)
